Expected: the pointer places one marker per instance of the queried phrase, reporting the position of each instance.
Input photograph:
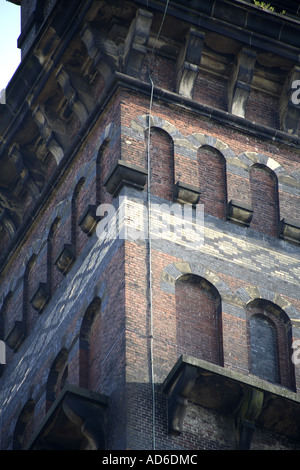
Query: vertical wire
(150, 262)
(149, 230)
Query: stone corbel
(8, 223)
(85, 415)
(48, 134)
(290, 231)
(185, 193)
(76, 420)
(124, 173)
(72, 101)
(188, 63)
(240, 82)
(135, 47)
(247, 416)
(16, 335)
(289, 109)
(89, 220)
(238, 213)
(27, 181)
(41, 297)
(66, 258)
(178, 398)
(103, 52)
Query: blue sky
(10, 55)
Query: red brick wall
(264, 195)
(212, 181)
(197, 324)
(162, 164)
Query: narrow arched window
(161, 163)
(263, 346)
(25, 426)
(89, 345)
(198, 319)
(212, 181)
(57, 378)
(75, 232)
(101, 172)
(265, 201)
(270, 343)
(50, 242)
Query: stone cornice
(239, 20)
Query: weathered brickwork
(166, 340)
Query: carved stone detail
(188, 63)
(16, 335)
(125, 174)
(72, 101)
(185, 193)
(178, 398)
(239, 213)
(290, 231)
(240, 82)
(48, 133)
(249, 411)
(135, 46)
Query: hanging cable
(149, 226)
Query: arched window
(89, 349)
(198, 315)
(101, 172)
(24, 426)
(265, 201)
(3, 314)
(50, 259)
(161, 163)
(57, 377)
(270, 343)
(263, 346)
(212, 181)
(75, 233)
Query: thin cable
(150, 262)
(149, 228)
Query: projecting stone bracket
(89, 220)
(238, 213)
(239, 86)
(8, 223)
(188, 63)
(135, 46)
(72, 101)
(186, 193)
(41, 297)
(48, 132)
(246, 417)
(77, 419)
(108, 57)
(289, 231)
(244, 400)
(178, 398)
(16, 335)
(66, 258)
(103, 52)
(28, 180)
(124, 173)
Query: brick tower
(125, 324)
